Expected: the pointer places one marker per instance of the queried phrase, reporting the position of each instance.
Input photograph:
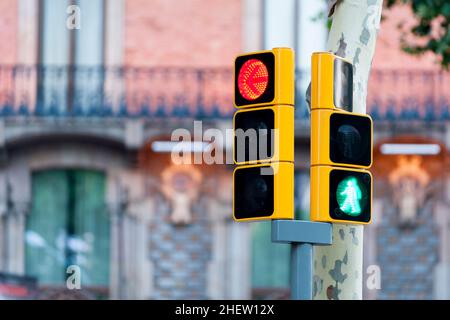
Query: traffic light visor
(343, 85)
(331, 82)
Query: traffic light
(341, 145)
(263, 181)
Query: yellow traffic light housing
(341, 145)
(263, 181)
(264, 78)
(263, 191)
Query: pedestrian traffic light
(263, 181)
(341, 145)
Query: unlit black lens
(350, 139)
(253, 192)
(349, 142)
(254, 135)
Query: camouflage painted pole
(338, 269)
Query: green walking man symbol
(350, 197)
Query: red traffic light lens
(253, 79)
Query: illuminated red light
(253, 79)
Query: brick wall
(182, 33)
(388, 53)
(407, 257)
(8, 31)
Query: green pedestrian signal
(348, 195)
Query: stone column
(229, 270)
(138, 268)
(238, 261)
(27, 51)
(218, 212)
(14, 238)
(18, 199)
(131, 212)
(3, 217)
(20, 211)
(114, 49)
(116, 199)
(2, 241)
(114, 257)
(441, 213)
(442, 270)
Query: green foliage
(429, 13)
(323, 16)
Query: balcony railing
(115, 91)
(172, 92)
(409, 95)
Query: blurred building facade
(90, 93)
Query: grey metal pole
(301, 271)
(302, 235)
(301, 268)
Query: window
(70, 74)
(68, 225)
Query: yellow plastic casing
(283, 134)
(320, 138)
(320, 191)
(322, 80)
(283, 196)
(284, 73)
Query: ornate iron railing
(190, 92)
(409, 95)
(115, 91)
